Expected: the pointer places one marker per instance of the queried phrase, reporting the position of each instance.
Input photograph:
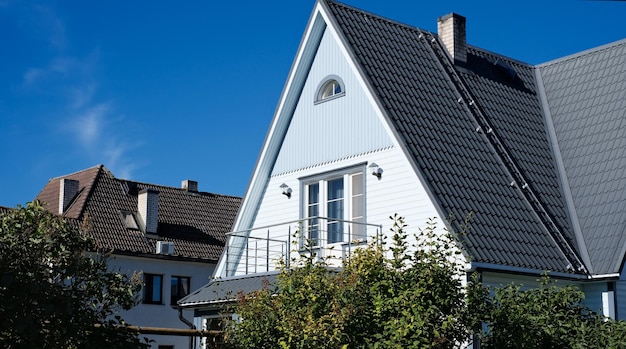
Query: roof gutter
(520, 270)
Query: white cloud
(92, 126)
(53, 26)
(32, 75)
(115, 154)
(82, 96)
(61, 68)
(88, 126)
(102, 136)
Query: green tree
(548, 316)
(55, 288)
(386, 296)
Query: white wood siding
(398, 191)
(334, 129)
(340, 133)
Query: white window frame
(338, 89)
(354, 198)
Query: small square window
(129, 220)
(152, 289)
(180, 288)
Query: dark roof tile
(461, 166)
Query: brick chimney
(190, 185)
(148, 208)
(451, 29)
(68, 188)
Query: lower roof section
(219, 291)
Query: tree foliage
(388, 295)
(393, 295)
(56, 293)
(548, 316)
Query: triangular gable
(321, 45)
(49, 195)
(340, 128)
(435, 128)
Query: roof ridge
(90, 189)
(153, 185)
(499, 55)
(101, 166)
(387, 19)
(580, 54)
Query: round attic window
(331, 88)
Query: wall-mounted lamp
(376, 170)
(286, 190)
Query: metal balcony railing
(262, 249)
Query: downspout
(192, 339)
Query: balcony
(263, 249)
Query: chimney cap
(452, 33)
(148, 190)
(451, 15)
(189, 185)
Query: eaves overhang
(481, 266)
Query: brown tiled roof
(196, 222)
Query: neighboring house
(174, 236)
(378, 117)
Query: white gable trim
(321, 21)
(282, 117)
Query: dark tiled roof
(195, 221)
(586, 95)
(437, 107)
(226, 289)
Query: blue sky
(162, 91)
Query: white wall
(162, 315)
(335, 129)
(344, 132)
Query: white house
(379, 117)
(173, 236)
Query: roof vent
(148, 208)
(190, 185)
(68, 188)
(451, 29)
(165, 247)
